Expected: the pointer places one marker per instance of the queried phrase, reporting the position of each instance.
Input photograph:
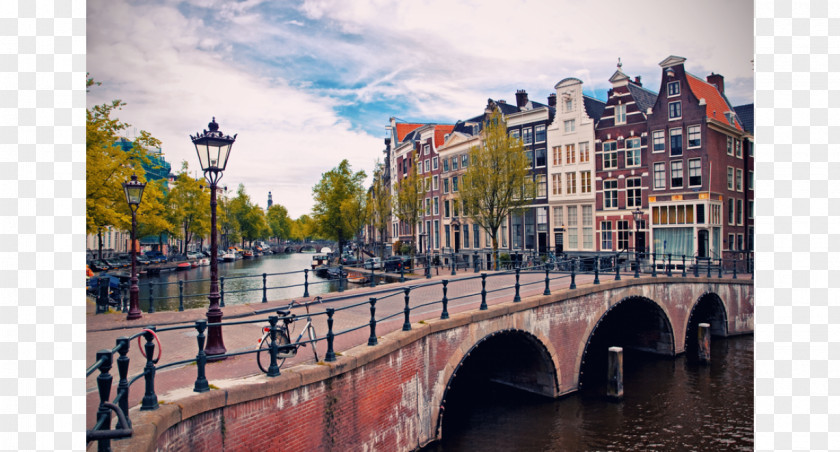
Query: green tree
(339, 204)
(188, 207)
(108, 166)
(303, 228)
(226, 222)
(152, 219)
(498, 180)
(279, 222)
(409, 198)
(379, 204)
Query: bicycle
(285, 347)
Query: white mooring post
(615, 373)
(703, 343)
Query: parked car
(393, 264)
(156, 257)
(373, 263)
(99, 265)
(349, 260)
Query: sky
(308, 83)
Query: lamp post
(133, 195)
(213, 149)
(637, 218)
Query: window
(623, 227)
(739, 179)
(454, 163)
(728, 145)
(572, 231)
(570, 154)
(586, 221)
(527, 135)
(569, 126)
(437, 234)
(556, 184)
(611, 194)
(529, 154)
(540, 157)
(435, 183)
(434, 163)
(634, 192)
(693, 137)
(428, 206)
(620, 113)
(466, 229)
(606, 235)
(446, 208)
(571, 183)
(731, 217)
(542, 219)
(465, 160)
(586, 182)
(740, 242)
(446, 235)
(539, 134)
(738, 152)
(694, 173)
(750, 207)
(454, 184)
(676, 142)
(569, 104)
(558, 217)
(633, 152)
(542, 190)
(419, 167)
(514, 133)
(610, 155)
(475, 236)
(659, 175)
(435, 206)
(701, 213)
(584, 151)
(674, 110)
(428, 181)
(731, 244)
(750, 180)
(455, 208)
(676, 174)
(426, 151)
(659, 141)
(739, 212)
(673, 89)
(445, 185)
(557, 154)
(730, 184)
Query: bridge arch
(510, 357)
(635, 323)
(709, 308)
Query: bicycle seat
(283, 313)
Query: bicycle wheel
(313, 337)
(264, 355)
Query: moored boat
(228, 257)
(184, 266)
(319, 260)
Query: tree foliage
(498, 180)
(279, 222)
(379, 203)
(188, 207)
(409, 198)
(339, 204)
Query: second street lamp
(133, 196)
(213, 149)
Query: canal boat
(319, 260)
(204, 261)
(356, 278)
(183, 266)
(247, 254)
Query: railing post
(653, 273)
(201, 383)
(751, 264)
(150, 401)
(547, 291)
(340, 278)
(181, 295)
(453, 264)
(122, 368)
(372, 276)
(103, 383)
(305, 283)
(696, 267)
(372, 339)
(720, 268)
(265, 294)
(406, 310)
(668, 272)
(572, 285)
(483, 306)
(152, 285)
(516, 298)
(330, 357)
(709, 267)
(123, 297)
(402, 271)
(734, 269)
(221, 291)
(636, 273)
(444, 314)
(597, 268)
(273, 368)
(428, 266)
(475, 261)
(617, 269)
(683, 274)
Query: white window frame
(537, 128)
(569, 126)
(664, 176)
(527, 133)
(729, 146)
(434, 163)
(436, 206)
(730, 178)
(426, 149)
(556, 183)
(613, 190)
(621, 114)
(613, 151)
(699, 168)
(739, 180)
(636, 150)
(694, 130)
(676, 92)
(627, 189)
(670, 112)
(583, 149)
(435, 183)
(655, 138)
(682, 173)
(671, 134)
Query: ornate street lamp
(133, 195)
(637, 218)
(213, 148)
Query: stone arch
(546, 381)
(664, 344)
(708, 308)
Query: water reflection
(669, 404)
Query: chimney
(552, 100)
(717, 80)
(521, 98)
(638, 80)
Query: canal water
(243, 282)
(669, 404)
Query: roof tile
(716, 104)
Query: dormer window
(673, 89)
(569, 104)
(621, 113)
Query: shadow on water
(669, 404)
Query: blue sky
(307, 83)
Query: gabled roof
(716, 103)
(746, 114)
(645, 98)
(441, 131)
(404, 128)
(594, 107)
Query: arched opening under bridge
(708, 309)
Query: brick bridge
(393, 396)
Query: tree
(303, 228)
(379, 204)
(108, 165)
(498, 180)
(409, 198)
(226, 222)
(339, 204)
(279, 222)
(152, 219)
(188, 207)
